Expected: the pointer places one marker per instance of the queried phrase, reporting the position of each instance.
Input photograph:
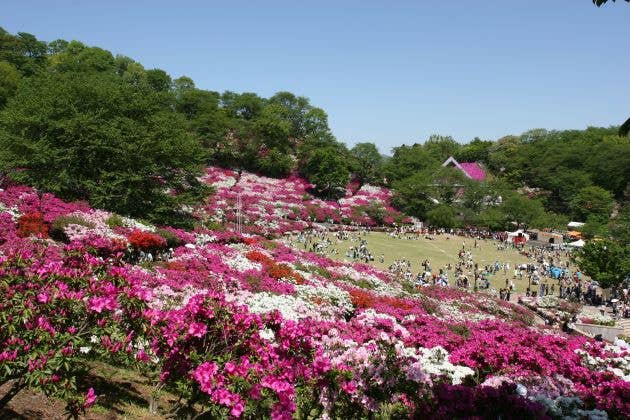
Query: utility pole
(239, 216)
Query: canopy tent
(573, 225)
(577, 244)
(574, 234)
(518, 236)
(556, 272)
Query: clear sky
(390, 72)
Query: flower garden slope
(251, 327)
(274, 206)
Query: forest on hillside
(83, 123)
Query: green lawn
(440, 251)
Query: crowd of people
(548, 272)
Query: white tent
(520, 232)
(573, 225)
(577, 244)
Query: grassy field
(440, 251)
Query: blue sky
(391, 72)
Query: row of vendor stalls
(569, 239)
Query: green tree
(412, 194)
(442, 216)
(369, 162)
(620, 226)
(594, 228)
(24, 51)
(159, 80)
(245, 106)
(606, 261)
(57, 46)
(9, 80)
(522, 211)
(205, 119)
(305, 119)
(407, 161)
(492, 218)
(77, 57)
(476, 151)
(273, 127)
(275, 163)
(441, 148)
(92, 136)
(328, 171)
(592, 202)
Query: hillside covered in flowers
(272, 206)
(247, 327)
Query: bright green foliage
(24, 51)
(492, 218)
(93, 136)
(476, 151)
(592, 203)
(273, 127)
(407, 161)
(442, 216)
(620, 228)
(594, 227)
(9, 80)
(77, 57)
(327, 170)
(606, 261)
(368, 163)
(522, 211)
(276, 163)
(440, 147)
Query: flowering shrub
(146, 241)
(52, 316)
(599, 320)
(32, 224)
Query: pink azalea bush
(252, 328)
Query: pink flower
(230, 367)
(43, 297)
(97, 304)
(238, 409)
(90, 398)
(197, 329)
(349, 387)
(142, 356)
(204, 374)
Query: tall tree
(24, 51)
(606, 261)
(592, 202)
(93, 136)
(328, 171)
(368, 161)
(9, 80)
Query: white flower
(94, 339)
(267, 334)
(290, 307)
(85, 349)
